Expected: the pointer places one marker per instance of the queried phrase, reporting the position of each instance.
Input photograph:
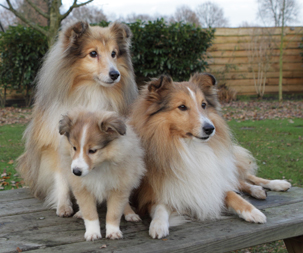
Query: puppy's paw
(64, 211)
(278, 185)
(92, 236)
(254, 215)
(158, 229)
(78, 215)
(113, 232)
(132, 217)
(93, 231)
(258, 192)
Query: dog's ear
(74, 33)
(204, 80)
(65, 125)
(112, 125)
(164, 82)
(208, 84)
(121, 31)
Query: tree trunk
(54, 21)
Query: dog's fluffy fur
(102, 159)
(76, 72)
(193, 165)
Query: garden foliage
(21, 52)
(177, 49)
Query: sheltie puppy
(89, 67)
(193, 165)
(101, 159)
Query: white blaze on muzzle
(79, 167)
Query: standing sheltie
(193, 165)
(102, 159)
(89, 67)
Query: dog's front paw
(254, 215)
(278, 185)
(132, 217)
(64, 211)
(158, 229)
(92, 236)
(258, 192)
(113, 232)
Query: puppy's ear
(74, 33)
(65, 125)
(113, 126)
(160, 84)
(208, 84)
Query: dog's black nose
(77, 172)
(208, 128)
(114, 74)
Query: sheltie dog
(193, 165)
(89, 67)
(102, 159)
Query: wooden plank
(20, 206)
(246, 38)
(269, 82)
(268, 89)
(245, 60)
(249, 75)
(240, 46)
(243, 53)
(54, 231)
(248, 30)
(219, 236)
(245, 67)
(16, 194)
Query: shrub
(177, 49)
(21, 51)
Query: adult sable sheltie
(193, 165)
(102, 159)
(89, 67)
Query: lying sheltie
(102, 159)
(193, 165)
(89, 67)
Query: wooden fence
(230, 63)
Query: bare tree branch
(75, 5)
(25, 20)
(4, 7)
(37, 9)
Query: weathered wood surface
(26, 225)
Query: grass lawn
(11, 146)
(276, 144)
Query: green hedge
(177, 49)
(21, 52)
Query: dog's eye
(92, 151)
(75, 148)
(182, 107)
(93, 54)
(114, 54)
(203, 105)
